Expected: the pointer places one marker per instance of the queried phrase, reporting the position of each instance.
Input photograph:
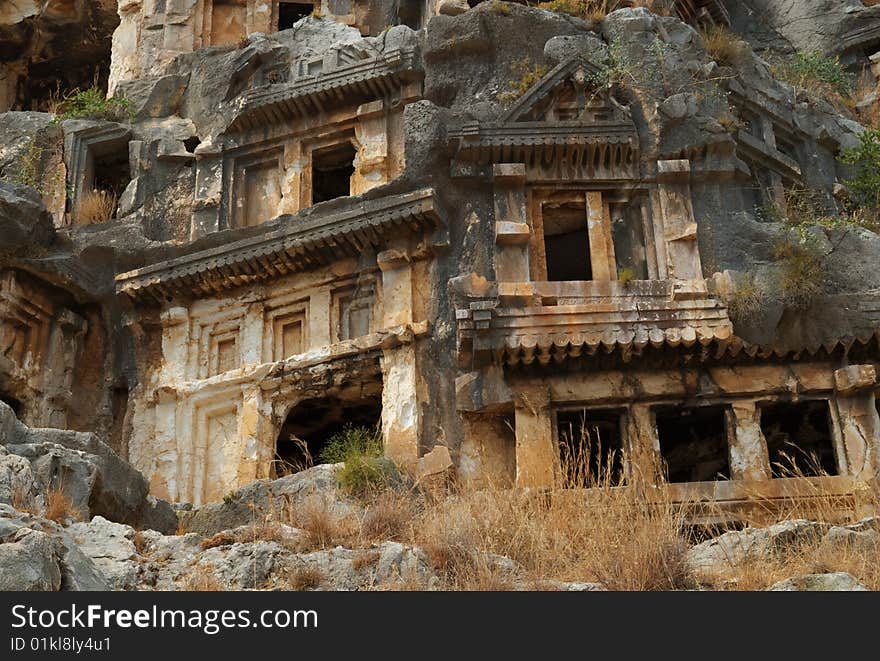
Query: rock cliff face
(502, 235)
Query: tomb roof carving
(301, 242)
(564, 110)
(351, 76)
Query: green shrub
(360, 449)
(865, 185)
(92, 104)
(816, 73)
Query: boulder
(271, 498)
(93, 476)
(732, 549)
(16, 478)
(110, 547)
(846, 542)
(28, 562)
(77, 572)
(833, 582)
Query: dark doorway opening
(566, 242)
(799, 440)
(693, 443)
(312, 423)
(590, 446)
(291, 12)
(332, 169)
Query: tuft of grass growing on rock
(747, 300)
(816, 75)
(91, 104)
(524, 74)
(59, 507)
(723, 46)
(96, 206)
(307, 577)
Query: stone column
(512, 232)
(602, 260)
(400, 406)
(208, 191)
(749, 459)
(679, 226)
(175, 346)
(857, 420)
(642, 445)
(397, 285)
(371, 162)
(164, 469)
(251, 336)
(537, 460)
(319, 319)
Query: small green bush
(360, 450)
(865, 158)
(816, 73)
(92, 104)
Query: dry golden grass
(808, 554)
(387, 517)
(59, 507)
(305, 578)
(364, 559)
(96, 206)
(723, 46)
(597, 10)
(201, 579)
(631, 538)
(322, 525)
(140, 542)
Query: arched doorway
(311, 423)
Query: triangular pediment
(570, 92)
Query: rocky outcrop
(37, 554)
(272, 498)
(93, 477)
(833, 582)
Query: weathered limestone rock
(270, 498)
(38, 554)
(16, 478)
(28, 562)
(834, 582)
(110, 547)
(725, 552)
(92, 476)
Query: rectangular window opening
(693, 443)
(799, 440)
(332, 169)
(566, 242)
(590, 446)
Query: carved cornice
(371, 78)
(301, 242)
(600, 316)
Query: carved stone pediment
(570, 92)
(567, 126)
